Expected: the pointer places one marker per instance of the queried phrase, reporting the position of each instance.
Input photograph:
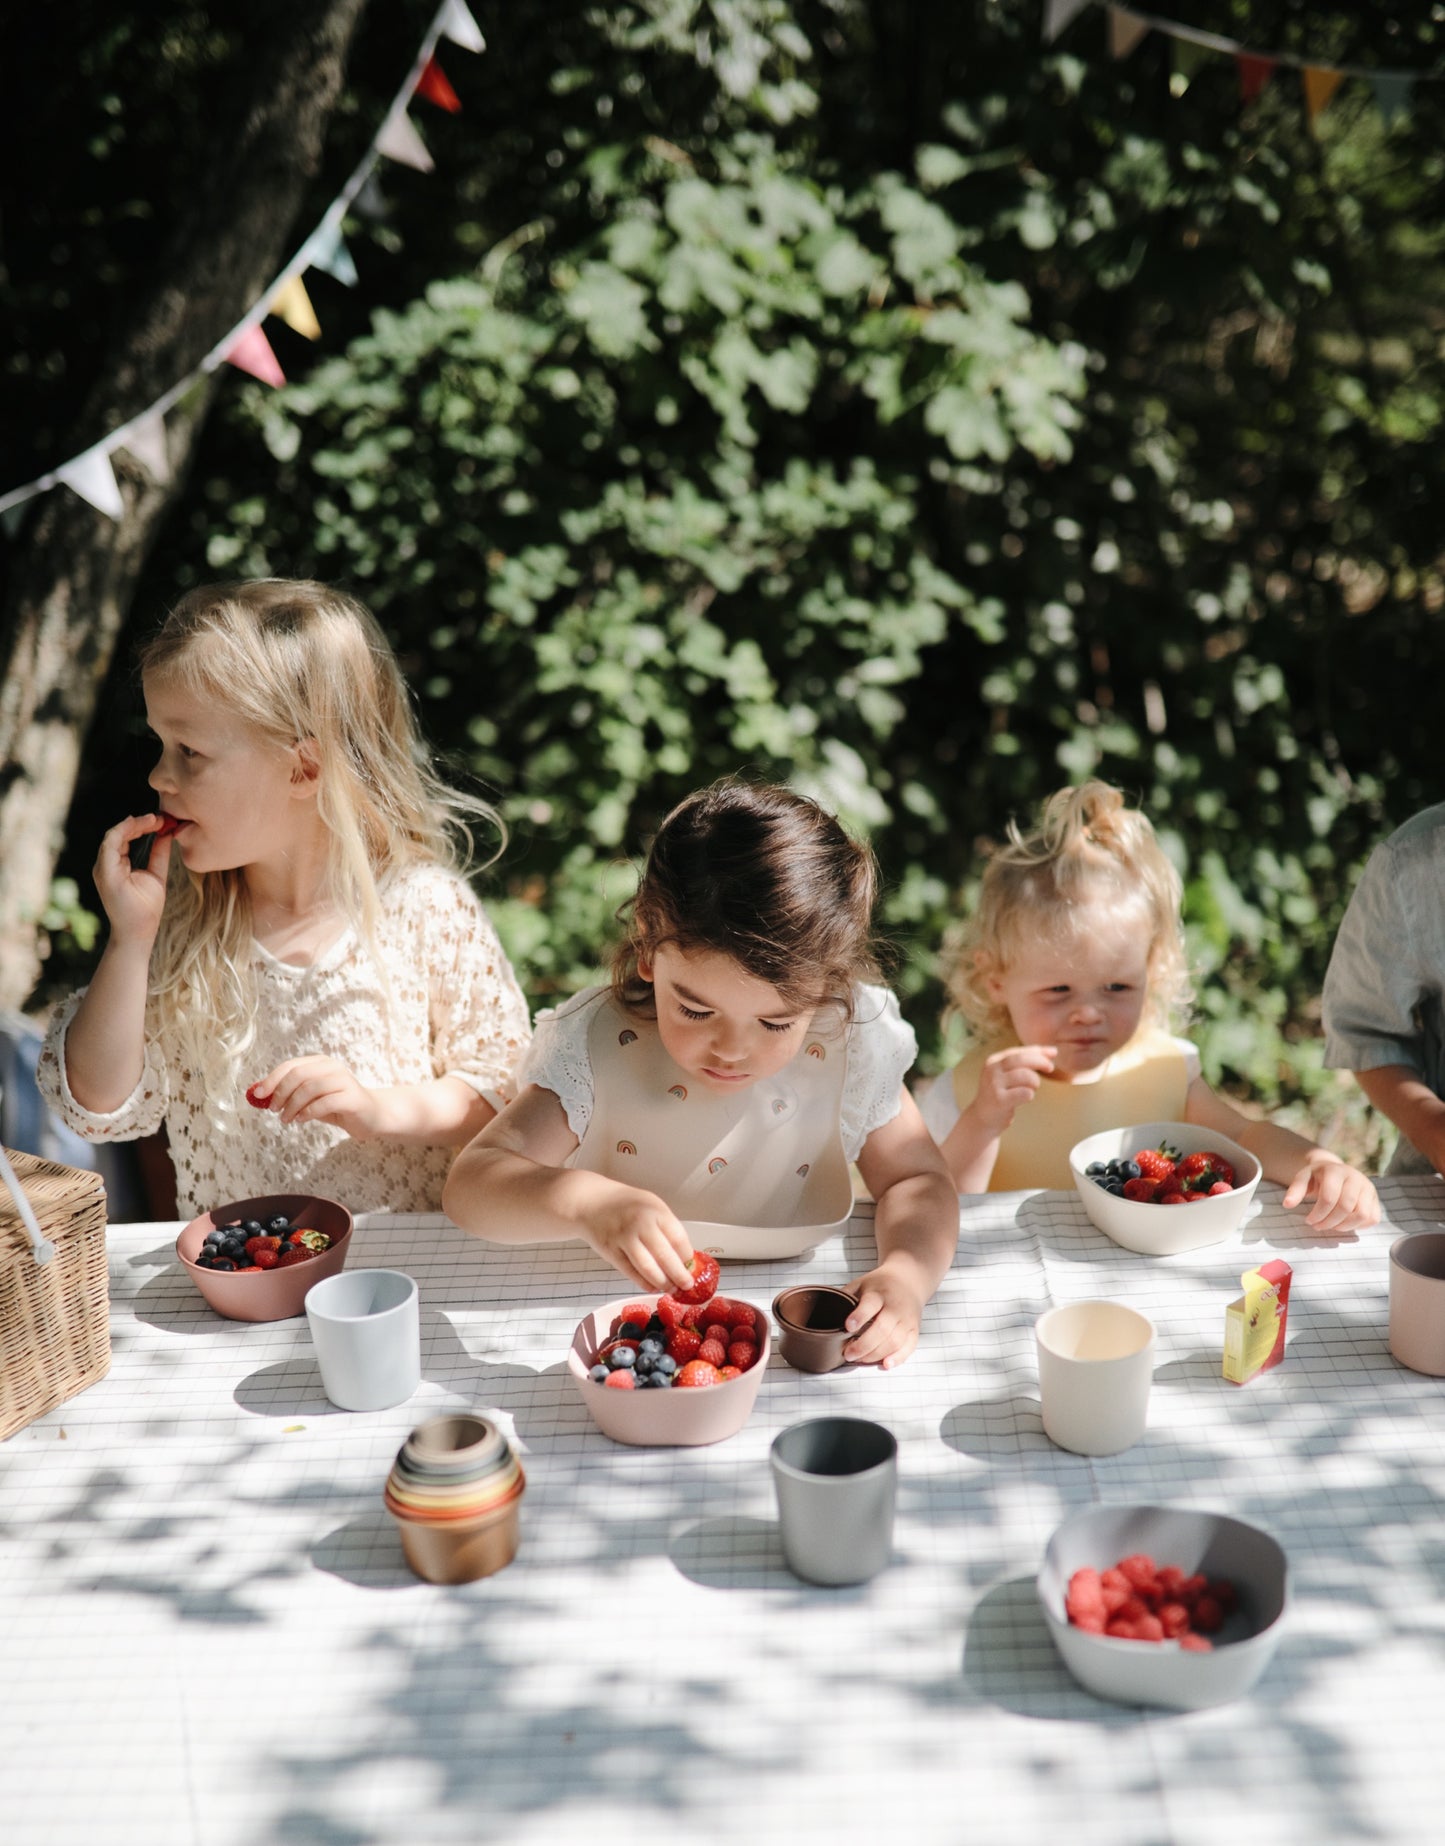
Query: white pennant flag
(328, 253)
(1058, 13)
(459, 26)
(399, 141)
(92, 477)
(147, 443)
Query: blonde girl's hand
(1008, 1080)
(638, 1234)
(1344, 1200)
(321, 1089)
(133, 897)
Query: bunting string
(245, 346)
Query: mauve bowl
(683, 1417)
(1161, 1673)
(267, 1294)
(1164, 1230)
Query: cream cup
(1096, 1364)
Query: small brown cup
(810, 1326)
(461, 1550)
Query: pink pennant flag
(1126, 30)
(1254, 74)
(252, 353)
(399, 141)
(434, 87)
(92, 477)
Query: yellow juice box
(1254, 1325)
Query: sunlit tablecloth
(208, 1634)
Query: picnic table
(209, 1636)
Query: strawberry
(1198, 1172)
(695, 1372)
(1172, 1198)
(1157, 1162)
(705, 1272)
(297, 1253)
(670, 1312)
(256, 1244)
(257, 1102)
(727, 1371)
(266, 1259)
(1142, 1190)
(684, 1344)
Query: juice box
(1254, 1325)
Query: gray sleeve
(1376, 983)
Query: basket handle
(40, 1245)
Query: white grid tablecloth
(209, 1637)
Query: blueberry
(656, 1329)
(215, 1237)
(630, 1330)
(1094, 1170)
(650, 1349)
(253, 1227)
(222, 1262)
(666, 1364)
(244, 1262)
(1130, 1169)
(1116, 1187)
(646, 1362)
(599, 1374)
(657, 1381)
(278, 1226)
(624, 1355)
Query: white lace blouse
(438, 999)
(881, 1049)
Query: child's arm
(916, 1228)
(105, 1043)
(444, 1111)
(1008, 1080)
(1400, 1092)
(1344, 1200)
(510, 1186)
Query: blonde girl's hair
(1088, 847)
(295, 661)
(765, 876)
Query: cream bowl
(676, 1418)
(1164, 1230)
(1161, 1673)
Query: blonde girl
(743, 1048)
(1068, 974)
(298, 982)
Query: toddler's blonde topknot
(1088, 846)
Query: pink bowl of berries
(659, 1372)
(1158, 1605)
(1160, 1188)
(256, 1259)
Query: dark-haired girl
(743, 1055)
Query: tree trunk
(71, 585)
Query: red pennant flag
(252, 353)
(1254, 74)
(433, 85)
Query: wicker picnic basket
(55, 1307)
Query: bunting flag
(252, 353)
(400, 142)
(147, 443)
(1254, 74)
(458, 25)
(292, 304)
(245, 346)
(1320, 85)
(434, 88)
(1190, 48)
(1125, 31)
(92, 477)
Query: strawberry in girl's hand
(705, 1272)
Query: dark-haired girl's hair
(765, 876)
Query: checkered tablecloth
(209, 1637)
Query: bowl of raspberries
(1163, 1187)
(1159, 1605)
(255, 1259)
(673, 1370)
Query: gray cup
(366, 1328)
(835, 1479)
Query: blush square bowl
(270, 1294)
(674, 1418)
(1164, 1230)
(1160, 1673)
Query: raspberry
(1218, 1187)
(1090, 1621)
(695, 1372)
(1148, 1628)
(1175, 1619)
(257, 1102)
(713, 1352)
(720, 1309)
(742, 1353)
(684, 1345)
(717, 1330)
(1224, 1593)
(725, 1372)
(742, 1316)
(621, 1381)
(1207, 1616)
(669, 1312)
(1170, 1578)
(1196, 1644)
(637, 1312)
(1139, 1570)
(1141, 1189)
(1172, 1198)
